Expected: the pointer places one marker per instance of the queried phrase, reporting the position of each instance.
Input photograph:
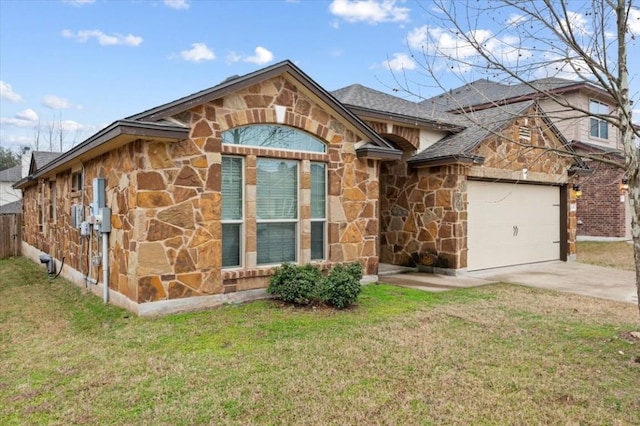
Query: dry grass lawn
(612, 255)
(499, 354)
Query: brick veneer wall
(600, 211)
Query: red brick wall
(600, 211)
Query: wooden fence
(10, 235)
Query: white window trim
(241, 221)
(326, 212)
(608, 108)
(297, 221)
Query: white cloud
(72, 126)
(261, 56)
(103, 39)
(417, 37)
(369, 11)
(233, 57)
(27, 115)
(399, 62)
(577, 22)
(78, 3)
(26, 118)
(199, 52)
(558, 66)
(633, 22)
(56, 102)
(447, 44)
(515, 19)
(7, 93)
(177, 4)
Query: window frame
(325, 213)
(53, 195)
(241, 221)
(598, 106)
(295, 221)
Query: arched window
(273, 136)
(276, 215)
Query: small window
(599, 127)
(76, 182)
(52, 201)
(524, 133)
(41, 210)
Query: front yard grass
(617, 255)
(498, 354)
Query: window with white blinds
(276, 210)
(277, 197)
(318, 210)
(232, 211)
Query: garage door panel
(510, 224)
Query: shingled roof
(11, 208)
(12, 174)
(39, 159)
(486, 92)
(361, 99)
(480, 125)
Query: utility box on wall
(99, 195)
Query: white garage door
(512, 224)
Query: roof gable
(39, 159)
(480, 125)
(234, 84)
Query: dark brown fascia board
(580, 171)
(378, 153)
(364, 113)
(121, 132)
(225, 88)
(529, 96)
(446, 160)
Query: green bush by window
(305, 284)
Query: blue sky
(82, 64)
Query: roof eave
(402, 118)
(473, 160)
(378, 153)
(117, 134)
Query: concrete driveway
(571, 277)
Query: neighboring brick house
(208, 193)
(603, 209)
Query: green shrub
(305, 285)
(342, 286)
(295, 284)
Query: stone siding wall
(600, 211)
(165, 198)
(424, 211)
(423, 216)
